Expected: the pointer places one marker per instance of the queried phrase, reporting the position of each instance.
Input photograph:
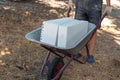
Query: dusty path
(21, 59)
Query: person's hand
(108, 10)
(71, 4)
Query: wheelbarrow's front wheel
(54, 68)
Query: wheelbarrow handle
(103, 16)
(68, 12)
(99, 24)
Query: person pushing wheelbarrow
(91, 11)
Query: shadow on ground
(21, 59)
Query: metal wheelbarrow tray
(57, 65)
(34, 36)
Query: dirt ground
(21, 59)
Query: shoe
(91, 59)
(78, 55)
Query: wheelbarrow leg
(87, 50)
(62, 69)
(44, 64)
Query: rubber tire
(56, 63)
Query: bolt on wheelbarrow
(57, 66)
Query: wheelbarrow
(57, 66)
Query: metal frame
(64, 52)
(54, 50)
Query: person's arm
(108, 8)
(70, 1)
(71, 4)
(108, 2)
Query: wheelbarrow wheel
(54, 68)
